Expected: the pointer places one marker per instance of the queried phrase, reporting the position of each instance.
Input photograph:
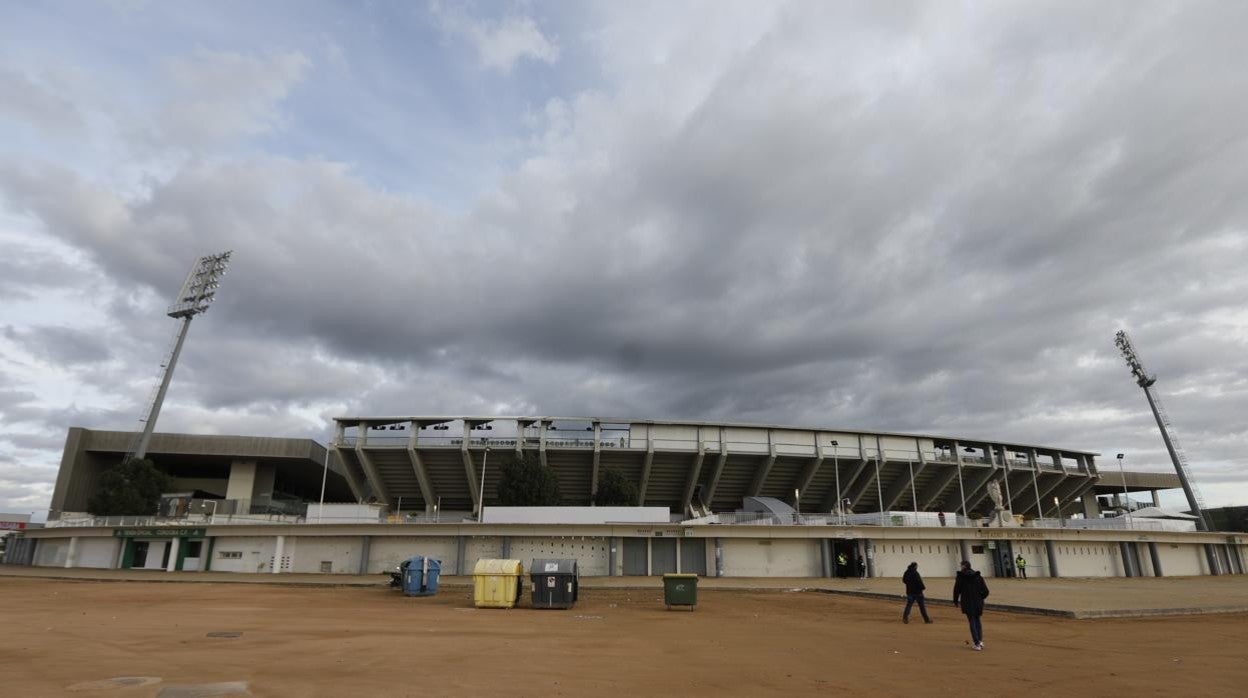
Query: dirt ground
(62, 637)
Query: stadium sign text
(1007, 533)
(158, 533)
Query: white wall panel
(1179, 560)
(256, 553)
(770, 558)
(308, 552)
(51, 552)
(387, 552)
(1089, 559)
(936, 559)
(591, 554)
(99, 553)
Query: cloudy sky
(879, 215)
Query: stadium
(714, 499)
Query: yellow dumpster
(497, 583)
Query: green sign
(169, 532)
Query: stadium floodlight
(1177, 455)
(200, 287)
(198, 292)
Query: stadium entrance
(845, 558)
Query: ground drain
(225, 633)
(116, 682)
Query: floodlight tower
(1146, 381)
(196, 295)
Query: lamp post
(481, 494)
(1125, 501)
(797, 498)
(1058, 503)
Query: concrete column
(611, 548)
(121, 553)
(965, 549)
(825, 557)
(1211, 557)
(1156, 499)
(649, 558)
(677, 556)
(277, 554)
(1051, 549)
(719, 557)
(242, 482)
(459, 556)
(71, 557)
(174, 544)
(1091, 509)
(366, 546)
(1125, 554)
(870, 556)
(1233, 560)
(1156, 557)
(506, 547)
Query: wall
(257, 553)
(51, 552)
(308, 552)
(1178, 560)
(483, 548)
(386, 553)
(769, 558)
(936, 559)
(99, 553)
(591, 554)
(1089, 559)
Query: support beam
(899, 487)
(470, 473)
(810, 470)
(541, 443)
(427, 492)
(593, 480)
(691, 480)
(861, 479)
(937, 487)
(370, 470)
(1048, 483)
(976, 486)
(1019, 486)
(357, 489)
(713, 483)
(645, 469)
(760, 475)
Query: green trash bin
(680, 590)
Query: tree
(524, 482)
(133, 487)
(615, 490)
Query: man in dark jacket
(971, 590)
(914, 592)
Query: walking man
(914, 593)
(1020, 563)
(862, 568)
(970, 590)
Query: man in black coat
(914, 592)
(971, 590)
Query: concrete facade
(744, 551)
(252, 467)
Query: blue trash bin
(420, 576)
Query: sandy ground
(362, 641)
